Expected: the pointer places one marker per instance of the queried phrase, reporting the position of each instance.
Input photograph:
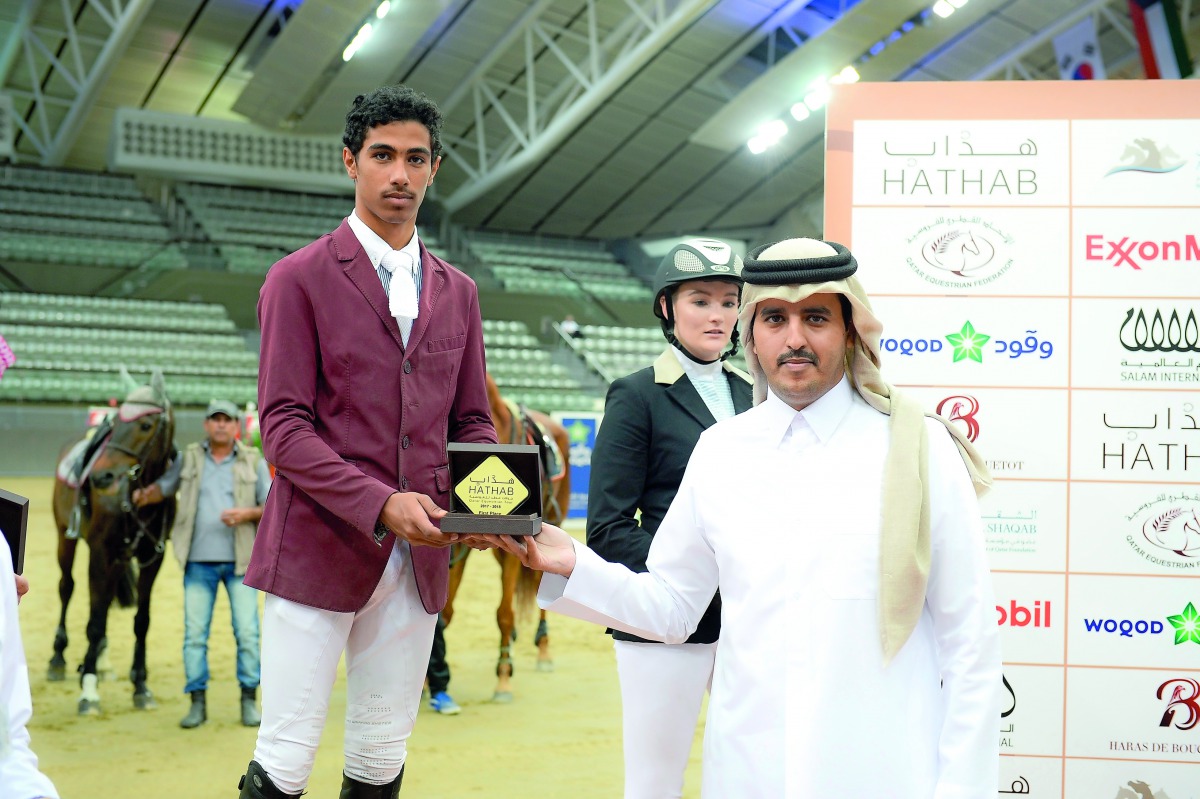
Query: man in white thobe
(859, 654)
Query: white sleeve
(19, 775)
(664, 603)
(963, 606)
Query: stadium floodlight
(383, 9)
(848, 75)
(800, 112)
(943, 8)
(358, 41)
(768, 134)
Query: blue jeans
(200, 581)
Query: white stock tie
(401, 290)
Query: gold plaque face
(491, 489)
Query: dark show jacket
(349, 415)
(652, 421)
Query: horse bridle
(133, 479)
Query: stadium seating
(532, 266)
(525, 372)
(69, 349)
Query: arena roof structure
(583, 118)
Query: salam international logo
(1147, 155)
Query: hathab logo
(1019, 616)
(1182, 711)
(1157, 334)
(1141, 790)
(1145, 155)
(1135, 253)
(961, 409)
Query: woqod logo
(1146, 155)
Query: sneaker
(441, 702)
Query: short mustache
(802, 354)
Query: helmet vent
(688, 262)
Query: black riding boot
(255, 784)
(197, 714)
(353, 789)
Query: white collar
(823, 416)
(697, 371)
(374, 245)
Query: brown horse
(518, 425)
(125, 544)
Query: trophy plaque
(494, 489)
(14, 521)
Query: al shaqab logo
(1145, 155)
(961, 408)
(1158, 335)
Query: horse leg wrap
(353, 789)
(255, 784)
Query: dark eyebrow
(389, 148)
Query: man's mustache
(801, 354)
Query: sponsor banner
(1031, 712)
(1134, 714)
(939, 341)
(1025, 524)
(1030, 611)
(980, 251)
(1135, 528)
(1136, 343)
(1144, 622)
(955, 163)
(1134, 252)
(581, 429)
(1135, 162)
(1032, 777)
(1149, 436)
(1124, 780)
(1020, 433)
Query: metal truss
(567, 74)
(1018, 63)
(64, 67)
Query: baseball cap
(221, 406)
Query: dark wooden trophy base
(491, 525)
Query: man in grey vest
(223, 485)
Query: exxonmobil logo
(1135, 253)
(1020, 616)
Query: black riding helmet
(695, 259)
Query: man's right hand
(411, 516)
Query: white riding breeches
(662, 687)
(387, 646)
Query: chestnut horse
(519, 425)
(125, 544)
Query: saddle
(527, 430)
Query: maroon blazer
(349, 415)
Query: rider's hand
(412, 516)
(150, 495)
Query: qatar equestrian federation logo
(1176, 530)
(968, 343)
(961, 409)
(960, 252)
(1183, 710)
(1147, 155)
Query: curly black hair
(389, 104)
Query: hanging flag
(1077, 50)
(1160, 37)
